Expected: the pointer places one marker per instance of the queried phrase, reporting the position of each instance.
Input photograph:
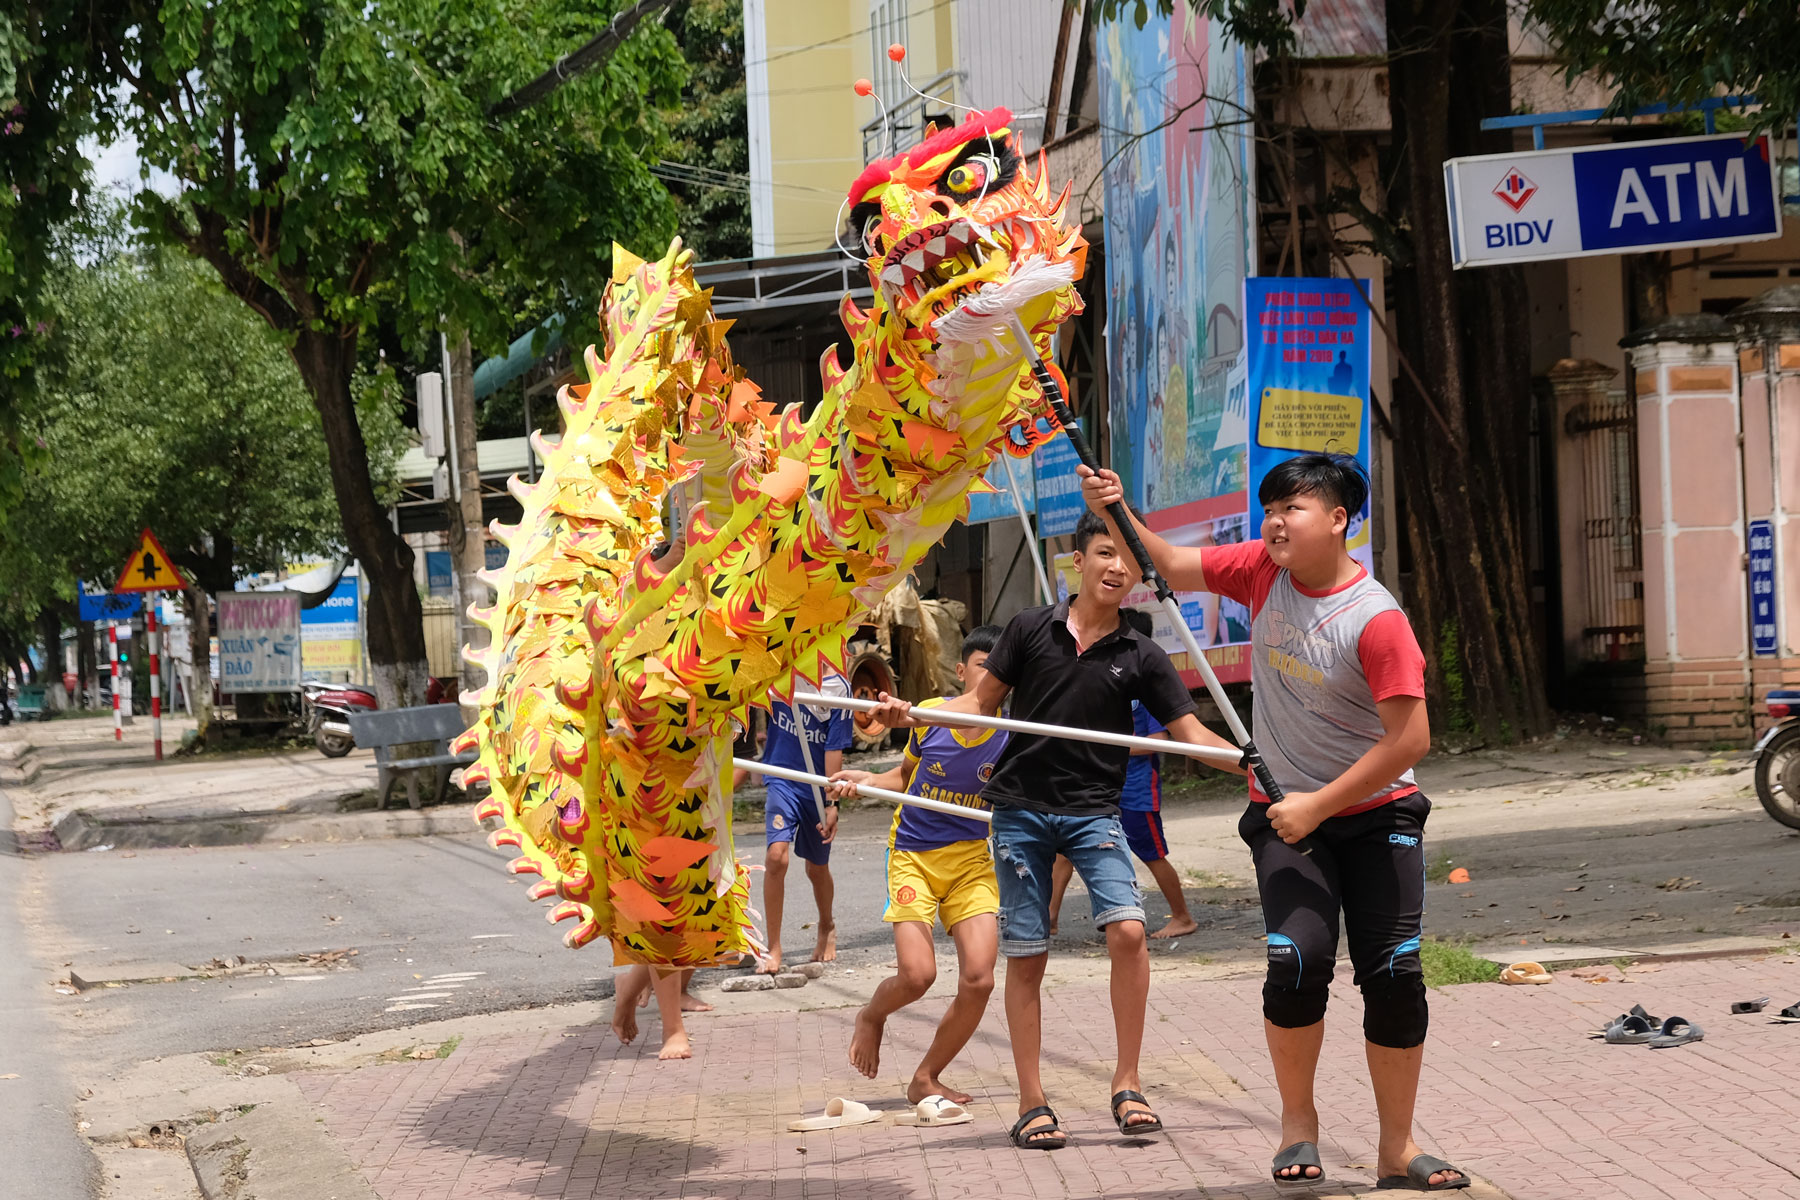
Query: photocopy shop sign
(1611, 199)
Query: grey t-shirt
(1319, 663)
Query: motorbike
(328, 707)
(1778, 760)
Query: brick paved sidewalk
(1512, 1091)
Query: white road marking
(423, 996)
(482, 937)
(406, 1007)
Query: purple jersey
(950, 765)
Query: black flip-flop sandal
(1677, 1031)
(1044, 1137)
(1123, 1120)
(1418, 1176)
(1302, 1155)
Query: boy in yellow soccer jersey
(939, 866)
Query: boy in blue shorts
(1340, 719)
(938, 867)
(791, 822)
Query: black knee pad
(1294, 992)
(1395, 1014)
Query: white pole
(155, 674)
(937, 716)
(863, 789)
(112, 670)
(806, 754)
(1045, 595)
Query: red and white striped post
(155, 674)
(112, 673)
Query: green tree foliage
(1681, 51)
(711, 131)
(337, 164)
(163, 402)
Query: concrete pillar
(1768, 344)
(1574, 383)
(1696, 627)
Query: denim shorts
(1026, 844)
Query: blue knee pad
(1295, 991)
(1395, 1014)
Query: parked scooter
(328, 707)
(1778, 760)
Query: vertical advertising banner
(1308, 382)
(259, 642)
(330, 637)
(1176, 138)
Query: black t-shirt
(1055, 684)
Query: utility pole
(470, 542)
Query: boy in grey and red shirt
(1340, 719)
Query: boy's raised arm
(1180, 565)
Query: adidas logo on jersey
(937, 768)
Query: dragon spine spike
(520, 490)
(615, 669)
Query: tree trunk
(470, 540)
(85, 680)
(200, 680)
(396, 629)
(1466, 339)
(50, 630)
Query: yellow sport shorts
(950, 883)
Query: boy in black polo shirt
(1076, 664)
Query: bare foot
(826, 950)
(1177, 927)
(644, 1000)
(676, 1045)
(624, 1022)
(865, 1044)
(921, 1087)
(694, 1004)
(771, 963)
(1300, 1127)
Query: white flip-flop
(936, 1110)
(839, 1112)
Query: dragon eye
(974, 175)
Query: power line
(789, 53)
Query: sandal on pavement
(1788, 1015)
(1677, 1031)
(1525, 972)
(1418, 1176)
(1637, 1010)
(1147, 1122)
(1629, 1031)
(1302, 1155)
(839, 1112)
(1044, 1137)
(936, 1110)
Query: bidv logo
(1401, 839)
(1515, 190)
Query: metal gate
(1602, 436)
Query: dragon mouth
(931, 271)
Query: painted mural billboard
(1177, 142)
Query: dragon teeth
(936, 248)
(915, 261)
(895, 274)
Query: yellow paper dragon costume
(614, 675)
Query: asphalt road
(440, 927)
(36, 1093)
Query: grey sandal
(1418, 1176)
(1629, 1031)
(1677, 1031)
(1302, 1155)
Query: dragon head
(960, 233)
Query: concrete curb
(273, 1152)
(85, 830)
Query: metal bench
(432, 723)
(32, 704)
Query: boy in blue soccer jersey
(939, 867)
(791, 822)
